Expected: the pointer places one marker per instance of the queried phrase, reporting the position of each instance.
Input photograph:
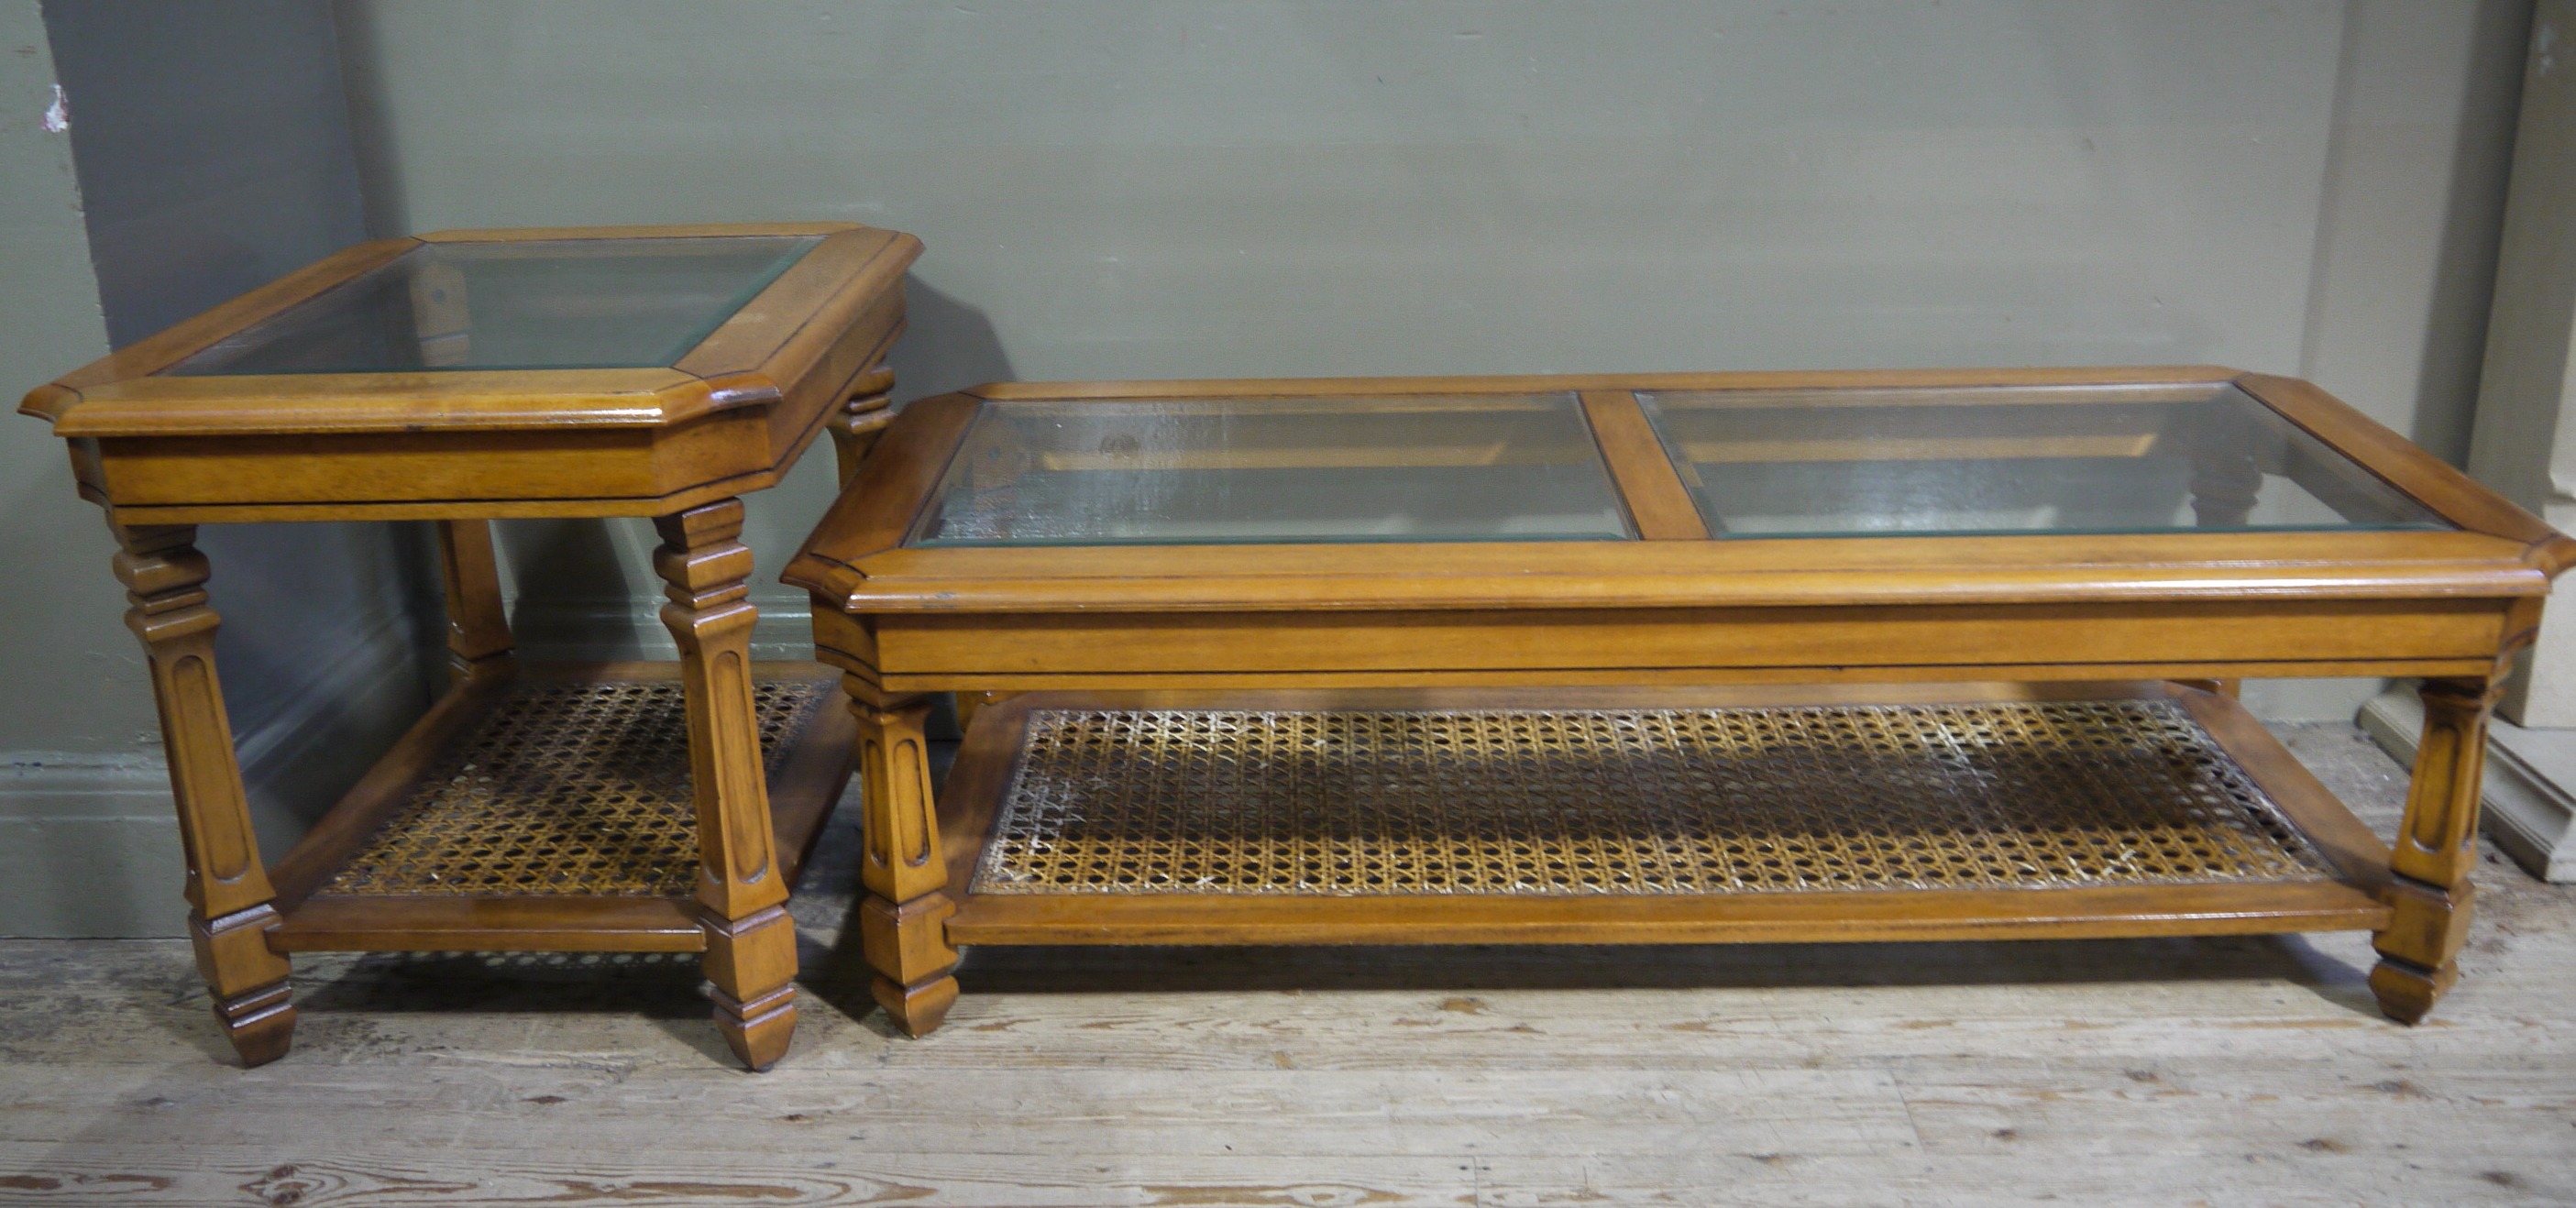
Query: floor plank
(2218, 1071)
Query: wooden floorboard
(2226, 1071)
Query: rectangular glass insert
(1241, 471)
(606, 303)
(1999, 460)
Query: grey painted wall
(1192, 187)
(212, 152)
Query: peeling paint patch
(58, 116)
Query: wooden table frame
(164, 454)
(1673, 609)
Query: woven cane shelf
(1146, 813)
(556, 802)
(1649, 801)
(567, 788)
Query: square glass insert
(605, 303)
(2002, 460)
(1244, 471)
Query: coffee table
(460, 377)
(1705, 658)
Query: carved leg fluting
(478, 631)
(751, 943)
(903, 920)
(856, 426)
(2435, 850)
(229, 915)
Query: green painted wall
(1145, 188)
(84, 811)
(207, 151)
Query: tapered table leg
(2435, 850)
(478, 629)
(229, 915)
(903, 919)
(741, 895)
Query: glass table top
(603, 303)
(1229, 471)
(2003, 460)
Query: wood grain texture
(478, 627)
(855, 556)
(1849, 379)
(2151, 1072)
(730, 418)
(168, 347)
(230, 910)
(2428, 479)
(840, 287)
(751, 942)
(1659, 505)
(1035, 650)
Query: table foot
(2418, 949)
(908, 947)
(917, 1010)
(261, 1024)
(247, 982)
(2408, 991)
(752, 963)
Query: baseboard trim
(377, 671)
(2530, 816)
(89, 842)
(89, 847)
(582, 631)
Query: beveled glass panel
(539, 304)
(1997, 460)
(1226, 471)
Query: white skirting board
(2529, 809)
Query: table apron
(2060, 641)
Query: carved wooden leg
(478, 633)
(856, 426)
(229, 915)
(903, 921)
(751, 943)
(2436, 847)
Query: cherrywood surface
(2462, 499)
(478, 627)
(457, 923)
(1678, 609)
(856, 557)
(903, 915)
(1659, 505)
(677, 443)
(229, 895)
(55, 399)
(1847, 379)
(727, 418)
(751, 943)
(2436, 847)
(790, 323)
